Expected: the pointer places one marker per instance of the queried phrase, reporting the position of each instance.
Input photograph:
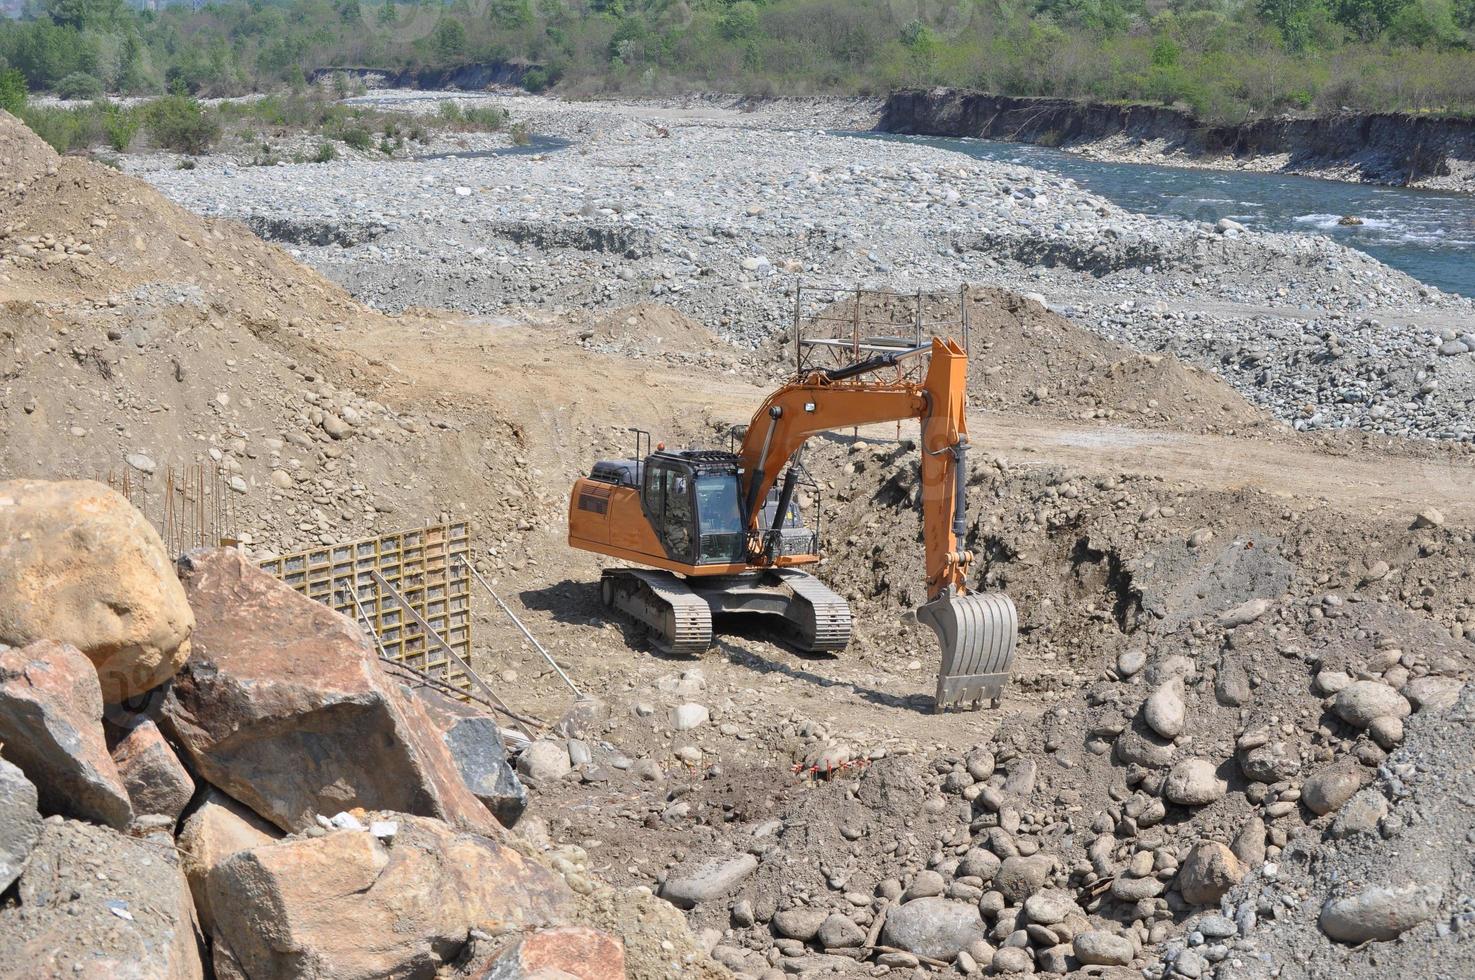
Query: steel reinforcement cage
(422, 565)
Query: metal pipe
(756, 480)
(875, 363)
(960, 492)
(525, 632)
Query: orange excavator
(719, 533)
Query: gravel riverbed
(720, 207)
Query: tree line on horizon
(1226, 60)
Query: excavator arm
(977, 633)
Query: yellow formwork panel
(420, 565)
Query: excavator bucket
(978, 634)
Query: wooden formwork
(420, 564)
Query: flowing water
(1428, 234)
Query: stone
(96, 905)
(1331, 681)
(1245, 613)
(685, 717)
(1428, 517)
(1164, 710)
(1249, 843)
(1387, 731)
(932, 927)
(1012, 959)
(1130, 662)
(80, 565)
(1048, 908)
(802, 923)
(1140, 745)
(705, 879)
(1363, 702)
(346, 905)
(218, 828)
(1360, 815)
(561, 953)
(839, 932)
(1431, 693)
(1020, 877)
(51, 727)
(1380, 913)
(1125, 889)
(1210, 870)
(155, 780)
(475, 744)
(926, 884)
(1330, 786)
(284, 706)
(1193, 782)
(1098, 948)
(336, 427)
(1268, 763)
(979, 863)
(545, 761)
(20, 822)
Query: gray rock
(1164, 710)
(1268, 763)
(838, 932)
(926, 884)
(1362, 702)
(932, 927)
(1130, 662)
(20, 822)
(1430, 693)
(1210, 870)
(1387, 731)
(1245, 613)
(979, 863)
(1428, 517)
(801, 923)
(1048, 908)
(1329, 787)
(1216, 926)
(707, 879)
(1020, 877)
(1380, 913)
(1013, 960)
(1193, 782)
(685, 717)
(1360, 815)
(476, 747)
(1097, 948)
(1127, 889)
(545, 760)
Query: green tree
(448, 40)
(98, 14)
(12, 91)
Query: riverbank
(1429, 152)
(719, 211)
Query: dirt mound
(1026, 358)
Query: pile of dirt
(1027, 359)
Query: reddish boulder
(51, 727)
(573, 951)
(79, 564)
(349, 905)
(219, 828)
(284, 706)
(151, 772)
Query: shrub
(180, 123)
(79, 86)
(326, 153)
(12, 91)
(520, 134)
(120, 126)
(357, 137)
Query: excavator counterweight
(718, 533)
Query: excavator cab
(691, 500)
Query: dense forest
(1225, 59)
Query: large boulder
(97, 905)
(284, 706)
(475, 743)
(348, 905)
(219, 828)
(79, 564)
(20, 822)
(705, 878)
(51, 727)
(156, 781)
(934, 927)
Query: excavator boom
(977, 633)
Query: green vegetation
(1226, 59)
